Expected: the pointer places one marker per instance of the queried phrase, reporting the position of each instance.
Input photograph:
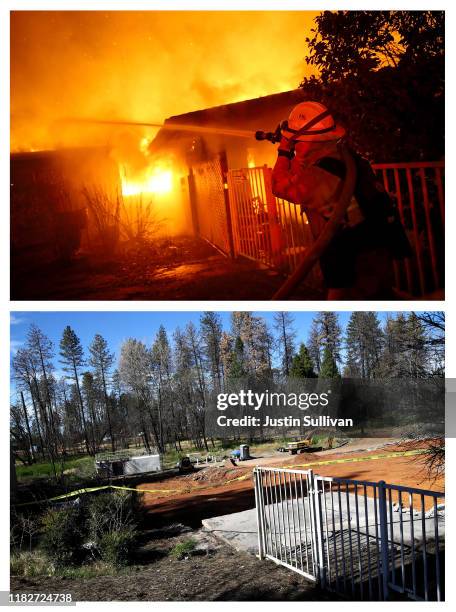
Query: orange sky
(144, 66)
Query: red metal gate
(209, 203)
(275, 232)
(265, 228)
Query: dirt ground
(216, 572)
(225, 489)
(184, 268)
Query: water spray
(181, 127)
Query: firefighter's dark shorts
(338, 264)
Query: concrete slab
(288, 524)
(239, 530)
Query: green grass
(36, 563)
(30, 564)
(74, 467)
(183, 549)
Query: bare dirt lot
(175, 269)
(216, 573)
(226, 489)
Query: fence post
(383, 520)
(226, 197)
(193, 202)
(316, 526)
(259, 513)
(275, 230)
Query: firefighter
(309, 172)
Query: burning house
(203, 174)
(60, 199)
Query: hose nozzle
(271, 136)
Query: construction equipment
(185, 465)
(299, 446)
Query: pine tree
(101, 359)
(161, 367)
(314, 344)
(326, 333)
(328, 365)
(41, 353)
(364, 341)
(302, 365)
(283, 324)
(256, 339)
(72, 358)
(211, 334)
(237, 369)
(417, 347)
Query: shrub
(116, 548)
(24, 529)
(183, 549)
(30, 564)
(112, 512)
(63, 535)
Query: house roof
(262, 113)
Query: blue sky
(116, 327)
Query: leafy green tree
(382, 76)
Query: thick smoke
(143, 66)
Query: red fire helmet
(311, 121)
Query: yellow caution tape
(237, 479)
(358, 459)
(92, 490)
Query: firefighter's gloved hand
(286, 148)
(286, 144)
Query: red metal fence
(276, 233)
(418, 191)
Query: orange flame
(154, 180)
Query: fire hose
(329, 231)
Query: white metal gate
(360, 539)
(286, 515)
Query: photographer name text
(287, 421)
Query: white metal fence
(360, 539)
